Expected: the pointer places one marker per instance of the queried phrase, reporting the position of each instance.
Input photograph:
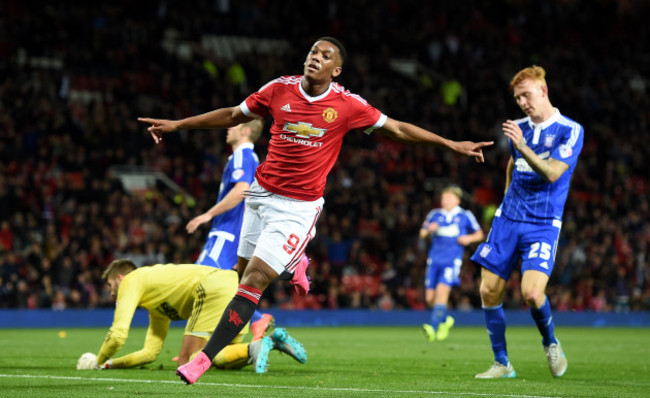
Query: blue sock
(438, 315)
(544, 320)
(495, 320)
(256, 316)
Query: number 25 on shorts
(292, 244)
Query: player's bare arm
(232, 199)
(549, 169)
(474, 237)
(509, 169)
(406, 132)
(219, 118)
(429, 230)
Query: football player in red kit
(311, 114)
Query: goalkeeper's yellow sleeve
(128, 298)
(153, 343)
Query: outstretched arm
(219, 118)
(407, 132)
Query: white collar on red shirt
(309, 97)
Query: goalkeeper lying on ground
(173, 292)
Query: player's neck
(238, 144)
(546, 114)
(314, 88)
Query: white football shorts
(276, 229)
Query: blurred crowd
(77, 76)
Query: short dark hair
(117, 267)
(342, 52)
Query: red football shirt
(307, 133)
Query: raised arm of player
(407, 132)
(549, 169)
(232, 199)
(219, 118)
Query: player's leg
(497, 257)
(443, 321)
(430, 282)
(492, 289)
(191, 344)
(211, 300)
(239, 311)
(287, 226)
(539, 259)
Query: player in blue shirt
(220, 249)
(544, 149)
(451, 228)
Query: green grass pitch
(343, 362)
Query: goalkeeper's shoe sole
(283, 342)
(191, 371)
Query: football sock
(438, 315)
(233, 356)
(544, 320)
(256, 316)
(235, 317)
(495, 320)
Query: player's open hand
(159, 126)
(512, 131)
(473, 149)
(196, 221)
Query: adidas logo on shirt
(286, 108)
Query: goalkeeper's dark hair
(342, 52)
(117, 267)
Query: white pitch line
(473, 394)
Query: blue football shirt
(530, 198)
(451, 224)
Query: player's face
(449, 200)
(234, 134)
(323, 62)
(530, 96)
(114, 284)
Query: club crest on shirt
(330, 115)
(548, 141)
(237, 174)
(565, 151)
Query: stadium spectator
(77, 86)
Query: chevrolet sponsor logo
(304, 130)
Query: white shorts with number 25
(276, 229)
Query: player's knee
(254, 277)
(490, 295)
(533, 297)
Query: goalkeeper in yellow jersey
(169, 292)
